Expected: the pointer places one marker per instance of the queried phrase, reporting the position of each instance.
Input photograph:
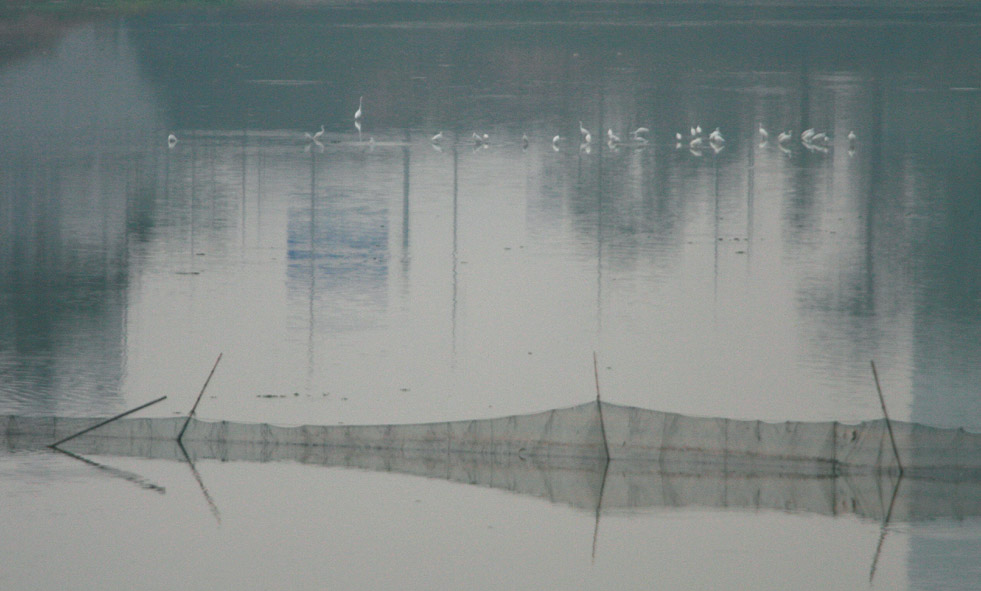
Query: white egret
(582, 130)
(171, 140)
(851, 136)
(639, 132)
(695, 143)
(807, 134)
(525, 141)
(785, 136)
(612, 137)
(437, 137)
(315, 137)
(763, 134)
(358, 113)
(716, 137)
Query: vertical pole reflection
(405, 210)
(245, 140)
(750, 191)
(715, 246)
(599, 216)
(194, 191)
(455, 251)
(312, 267)
(878, 101)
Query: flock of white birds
(695, 141)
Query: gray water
(379, 277)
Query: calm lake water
(379, 276)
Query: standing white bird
(764, 136)
(171, 140)
(358, 113)
(437, 137)
(640, 131)
(525, 141)
(851, 136)
(315, 137)
(716, 137)
(612, 137)
(582, 130)
(785, 136)
(480, 139)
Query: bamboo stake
(882, 400)
(109, 420)
(200, 394)
(599, 407)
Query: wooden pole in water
(885, 413)
(109, 420)
(200, 394)
(599, 407)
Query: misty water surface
(377, 276)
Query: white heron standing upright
(358, 113)
(764, 136)
(315, 137)
(171, 140)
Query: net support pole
(599, 408)
(107, 421)
(200, 394)
(885, 413)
